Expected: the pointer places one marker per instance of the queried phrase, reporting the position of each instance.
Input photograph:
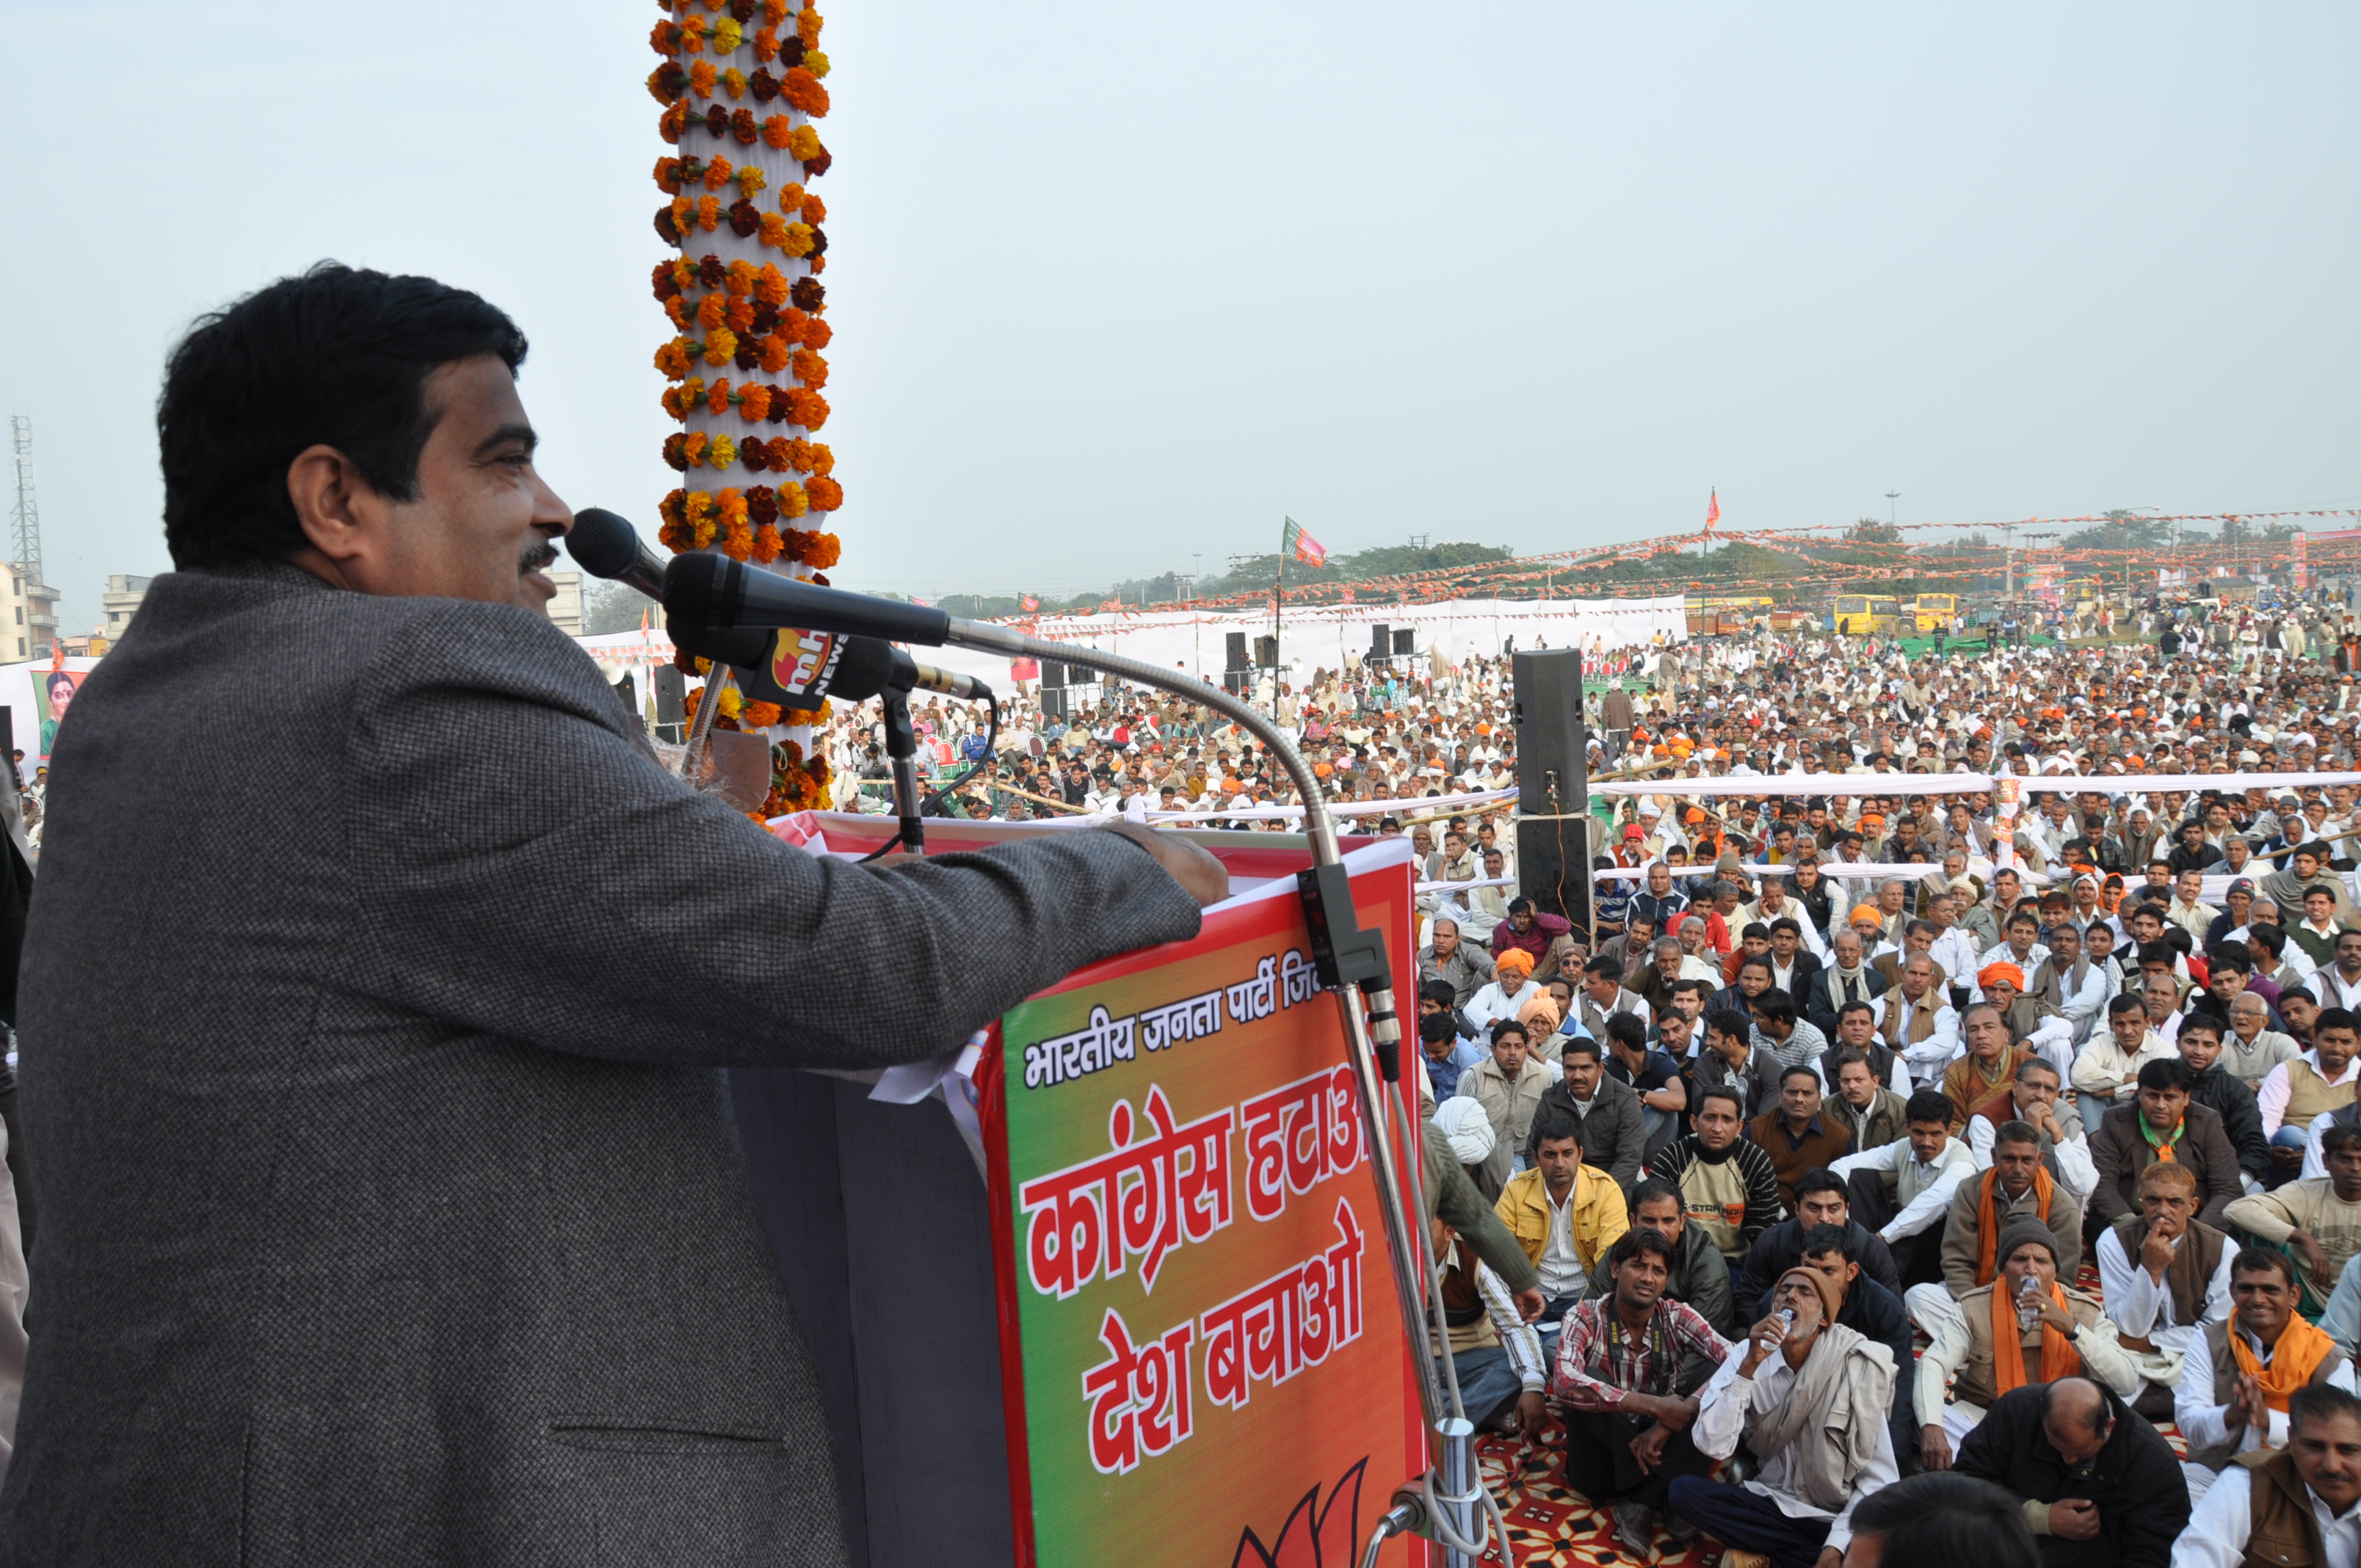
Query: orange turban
(1519, 963)
(2007, 972)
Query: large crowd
(2002, 1167)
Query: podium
(1109, 1284)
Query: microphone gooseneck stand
(1444, 1503)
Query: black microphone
(705, 589)
(606, 546)
(800, 669)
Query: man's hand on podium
(1202, 876)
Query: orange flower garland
(744, 305)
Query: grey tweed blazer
(373, 997)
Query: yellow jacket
(1597, 1216)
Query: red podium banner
(1202, 1360)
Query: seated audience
(1945, 1520)
(1903, 1190)
(2317, 1220)
(2024, 1327)
(2235, 1378)
(1726, 1184)
(2099, 1485)
(1871, 1311)
(1871, 1113)
(1495, 1353)
(1822, 1198)
(2296, 1506)
(1603, 1109)
(2164, 1275)
(2018, 1187)
(2161, 1123)
(1807, 1397)
(2214, 1085)
(1509, 1084)
(1565, 1214)
(1699, 1275)
(2032, 1099)
(1626, 1362)
(1793, 1132)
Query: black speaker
(1554, 829)
(1381, 643)
(1266, 652)
(1053, 675)
(1405, 644)
(1053, 700)
(627, 691)
(671, 712)
(1234, 662)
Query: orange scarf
(2298, 1355)
(2058, 1357)
(1988, 1227)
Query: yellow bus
(1859, 615)
(1932, 610)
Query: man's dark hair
(1775, 1005)
(335, 357)
(2273, 939)
(1788, 923)
(2334, 1018)
(1581, 1046)
(2037, 1064)
(2021, 1134)
(2263, 1260)
(1637, 1240)
(1723, 1092)
(1848, 1010)
(1807, 1068)
(1437, 1027)
(2158, 952)
(1626, 1030)
(1652, 1189)
(1695, 987)
(1607, 967)
(1439, 990)
(2166, 1072)
(2229, 955)
(2339, 1137)
(1520, 906)
(2322, 1402)
(1503, 1027)
(1550, 1128)
(1927, 1105)
(1821, 1240)
(2124, 1002)
(1820, 1178)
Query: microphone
(777, 661)
(797, 669)
(606, 546)
(705, 589)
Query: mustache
(541, 552)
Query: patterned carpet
(1553, 1526)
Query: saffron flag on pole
(1293, 540)
(1712, 509)
(1030, 603)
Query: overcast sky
(1116, 286)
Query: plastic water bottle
(2027, 1300)
(1785, 1318)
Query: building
(29, 617)
(122, 596)
(565, 610)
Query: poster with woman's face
(53, 693)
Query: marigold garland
(736, 321)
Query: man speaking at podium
(375, 989)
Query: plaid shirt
(1593, 1353)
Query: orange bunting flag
(1712, 509)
